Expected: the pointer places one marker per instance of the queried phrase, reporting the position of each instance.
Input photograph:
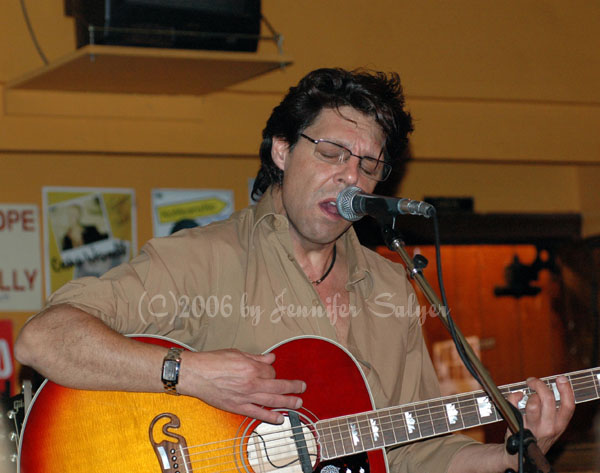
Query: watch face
(170, 370)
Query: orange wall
(142, 173)
(502, 94)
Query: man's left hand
(545, 421)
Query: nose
(349, 171)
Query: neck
(315, 262)
(314, 258)
(329, 268)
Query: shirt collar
(264, 208)
(358, 268)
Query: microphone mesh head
(344, 203)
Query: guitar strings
(399, 412)
(576, 386)
(386, 425)
(233, 460)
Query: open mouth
(330, 208)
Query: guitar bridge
(171, 451)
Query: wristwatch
(170, 370)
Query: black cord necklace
(322, 278)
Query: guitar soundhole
(270, 448)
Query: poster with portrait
(20, 258)
(176, 209)
(87, 231)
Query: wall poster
(87, 231)
(20, 258)
(175, 209)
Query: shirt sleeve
(432, 455)
(143, 296)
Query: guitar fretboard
(351, 434)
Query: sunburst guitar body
(79, 431)
(336, 431)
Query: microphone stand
(535, 462)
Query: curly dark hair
(376, 94)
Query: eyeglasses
(334, 153)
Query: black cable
(32, 33)
(459, 346)
(438, 257)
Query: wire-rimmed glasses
(334, 153)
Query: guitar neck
(366, 431)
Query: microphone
(352, 204)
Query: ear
(280, 152)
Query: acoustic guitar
(336, 430)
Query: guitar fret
(341, 437)
(555, 391)
(439, 417)
(519, 388)
(505, 392)
(399, 426)
(595, 379)
(586, 385)
(412, 423)
(326, 440)
(370, 431)
(585, 388)
(425, 420)
(387, 429)
(551, 384)
(468, 410)
(476, 407)
(462, 409)
(353, 440)
(377, 430)
(497, 415)
(485, 409)
(364, 431)
(454, 414)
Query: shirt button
(315, 302)
(291, 258)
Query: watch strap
(170, 370)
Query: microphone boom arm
(393, 240)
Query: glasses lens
(371, 166)
(331, 152)
(375, 168)
(337, 154)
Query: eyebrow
(330, 140)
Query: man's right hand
(77, 350)
(239, 382)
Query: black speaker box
(224, 25)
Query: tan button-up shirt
(236, 284)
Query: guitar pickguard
(357, 463)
